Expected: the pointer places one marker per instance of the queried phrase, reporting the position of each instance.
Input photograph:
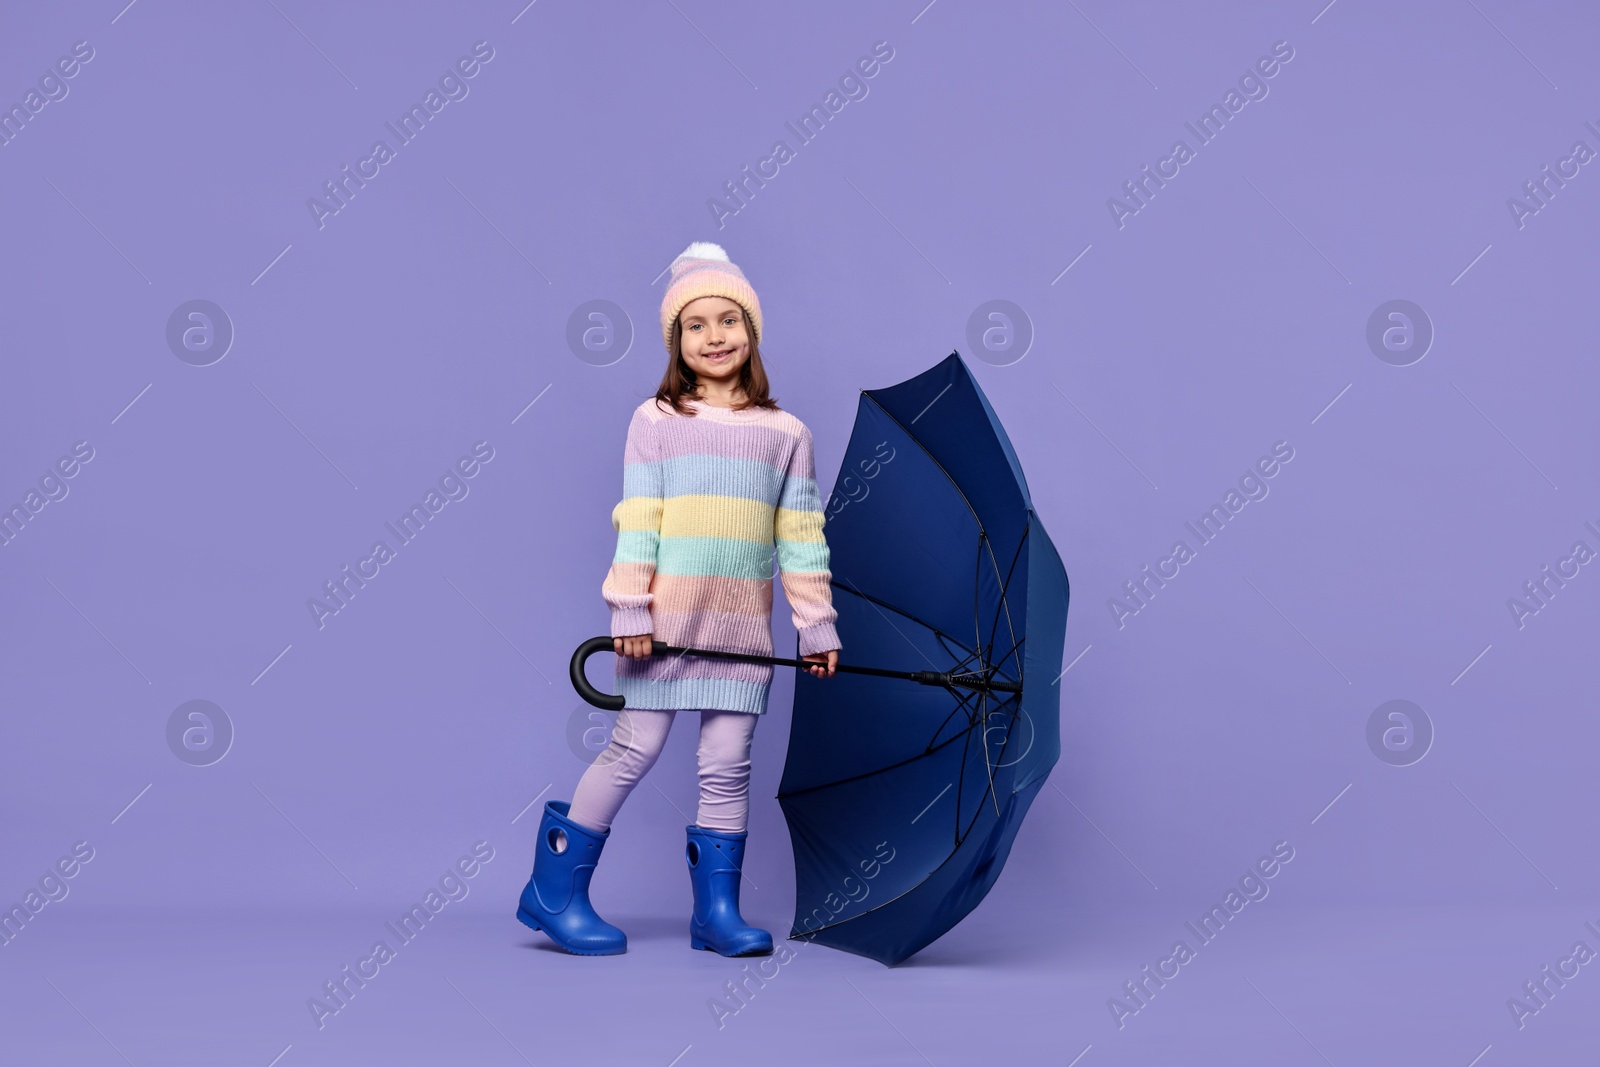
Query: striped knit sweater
(708, 501)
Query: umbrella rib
(1010, 728)
(988, 764)
(983, 534)
(1005, 603)
(877, 770)
(850, 587)
(961, 783)
(977, 575)
(961, 774)
(946, 720)
(988, 767)
(983, 540)
(897, 629)
(1011, 627)
(962, 699)
(987, 544)
(964, 660)
(931, 459)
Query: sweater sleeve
(637, 520)
(803, 552)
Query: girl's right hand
(638, 646)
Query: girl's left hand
(826, 663)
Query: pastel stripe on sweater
(711, 502)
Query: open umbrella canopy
(903, 800)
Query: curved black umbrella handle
(580, 681)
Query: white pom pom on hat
(704, 269)
(705, 250)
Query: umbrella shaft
(938, 678)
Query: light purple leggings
(637, 740)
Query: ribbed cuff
(716, 694)
(631, 622)
(819, 638)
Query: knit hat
(703, 269)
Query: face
(716, 341)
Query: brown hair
(679, 381)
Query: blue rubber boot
(715, 860)
(556, 898)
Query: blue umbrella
(903, 800)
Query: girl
(717, 481)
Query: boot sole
(754, 950)
(528, 919)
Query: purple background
(1228, 314)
